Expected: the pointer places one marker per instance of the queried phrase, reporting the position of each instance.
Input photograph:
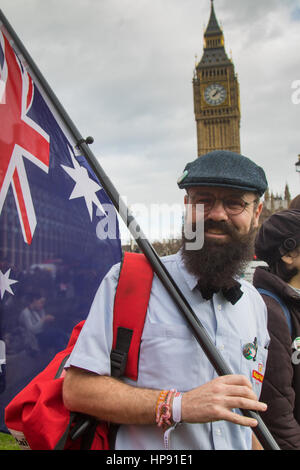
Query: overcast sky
(123, 70)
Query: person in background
(35, 321)
(41, 333)
(278, 244)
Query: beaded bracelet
(161, 399)
(163, 409)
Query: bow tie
(233, 294)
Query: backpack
(37, 418)
(282, 305)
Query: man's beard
(216, 264)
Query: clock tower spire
(216, 94)
(213, 25)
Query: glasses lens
(234, 205)
(207, 202)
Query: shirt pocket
(168, 357)
(254, 368)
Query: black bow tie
(233, 294)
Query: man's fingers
(240, 419)
(245, 404)
(217, 400)
(235, 379)
(240, 391)
(234, 385)
(240, 394)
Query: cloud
(123, 70)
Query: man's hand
(215, 400)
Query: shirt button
(221, 347)
(218, 432)
(219, 307)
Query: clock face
(215, 94)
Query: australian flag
(55, 247)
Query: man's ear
(288, 258)
(257, 213)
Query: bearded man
(201, 410)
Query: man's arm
(109, 399)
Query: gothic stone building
(216, 94)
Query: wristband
(176, 408)
(176, 419)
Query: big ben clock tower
(216, 94)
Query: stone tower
(216, 94)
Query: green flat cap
(225, 169)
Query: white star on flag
(5, 283)
(84, 187)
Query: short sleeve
(93, 346)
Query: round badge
(296, 343)
(183, 176)
(249, 351)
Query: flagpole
(217, 361)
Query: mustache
(223, 226)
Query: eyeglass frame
(246, 204)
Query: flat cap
(278, 235)
(226, 169)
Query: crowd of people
(178, 397)
(48, 299)
(37, 320)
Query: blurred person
(35, 321)
(278, 244)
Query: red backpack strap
(130, 307)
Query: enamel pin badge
(250, 350)
(258, 374)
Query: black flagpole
(217, 361)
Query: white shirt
(170, 356)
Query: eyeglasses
(232, 205)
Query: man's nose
(217, 212)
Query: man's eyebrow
(208, 193)
(201, 193)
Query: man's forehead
(216, 190)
